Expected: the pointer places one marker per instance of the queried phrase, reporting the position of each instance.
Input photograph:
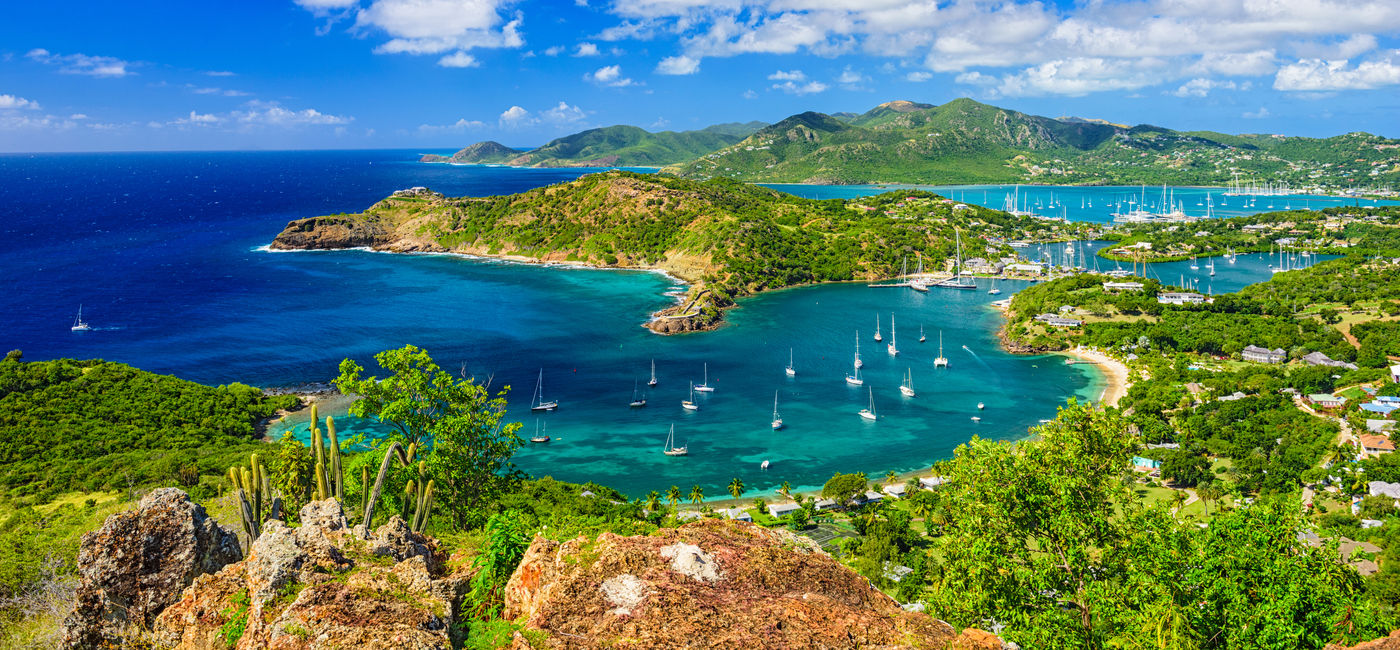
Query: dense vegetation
(1357, 230)
(623, 146)
(964, 141)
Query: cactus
(394, 452)
(364, 486)
(418, 499)
(252, 486)
(425, 504)
(336, 479)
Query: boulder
(709, 584)
(1391, 642)
(137, 564)
(322, 585)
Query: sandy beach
(1115, 373)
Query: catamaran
(652, 381)
(777, 419)
(878, 338)
(636, 402)
(689, 404)
(894, 351)
(791, 372)
(858, 363)
(921, 333)
(869, 412)
(671, 448)
(540, 437)
(940, 361)
(538, 403)
(908, 386)
(80, 325)
(706, 387)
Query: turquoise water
(1092, 203)
(1247, 269)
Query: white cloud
(553, 50)
(1319, 75)
(918, 76)
(458, 59)
(12, 102)
(95, 66)
(460, 126)
(798, 88)
(326, 5)
(678, 65)
(196, 119)
(609, 75)
(432, 26)
(1200, 87)
(586, 49)
(851, 79)
(1075, 77)
(274, 115)
(1260, 114)
(749, 94)
(788, 75)
(563, 114)
(515, 117)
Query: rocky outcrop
(322, 585)
(332, 232)
(709, 584)
(1391, 642)
(138, 563)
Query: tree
(461, 422)
(785, 489)
(843, 487)
(1185, 468)
(736, 487)
(1209, 492)
(653, 500)
(14, 355)
(798, 519)
(696, 494)
(891, 477)
(673, 495)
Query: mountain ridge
(619, 145)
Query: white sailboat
(652, 382)
(706, 387)
(878, 338)
(671, 448)
(940, 361)
(636, 402)
(1193, 264)
(908, 386)
(777, 419)
(689, 404)
(868, 413)
(854, 378)
(858, 363)
(538, 403)
(80, 325)
(540, 437)
(791, 372)
(922, 338)
(957, 281)
(893, 349)
(1211, 266)
(994, 291)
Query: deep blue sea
(162, 251)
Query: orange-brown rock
(708, 584)
(1391, 642)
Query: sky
(441, 74)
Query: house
(779, 510)
(897, 490)
(1374, 444)
(1263, 355)
(1195, 388)
(1180, 298)
(1145, 464)
(872, 496)
(1378, 408)
(1122, 286)
(1320, 359)
(1327, 400)
(930, 482)
(826, 504)
(1031, 269)
(1058, 321)
(1255, 227)
(690, 515)
(737, 514)
(1232, 397)
(1395, 374)
(1384, 489)
(1371, 523)
(1379, 426)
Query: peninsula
(726, 238)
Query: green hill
(612, 146)
(965, 141)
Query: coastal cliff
(726, 239)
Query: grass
(79, 500)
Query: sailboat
(706, 387)
(540, 437)
(1211, 266)
(957, 281)
(908, 386)
(538, 403)
(921, 333)
(652, 381)
(671, 448)
(894, 350)
(777, 419)
(994, 290)
(1193, 264)
(854, 378)
(689, 404)
(791, 372)
(878, 338)
(858, 363)
(869, 412)
(635, 401)
(940, 361)
(80, 325)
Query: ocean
(163, 251)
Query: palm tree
(1341, 454)
(1178, 500)
(1208, 492)
(653, 500)
(696, 494)
(785, 489)
(736, 487)
(673, 495)
(891, 477)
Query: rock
(331, 232)
(1391, 642)
(322, 585)
(138, 563)
(708, 584)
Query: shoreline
(1114, 372)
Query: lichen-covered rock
(138, 563)
(320, 585)
(708, 584)
(1391, 642)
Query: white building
(1180, 298)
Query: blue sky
(436, 74)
